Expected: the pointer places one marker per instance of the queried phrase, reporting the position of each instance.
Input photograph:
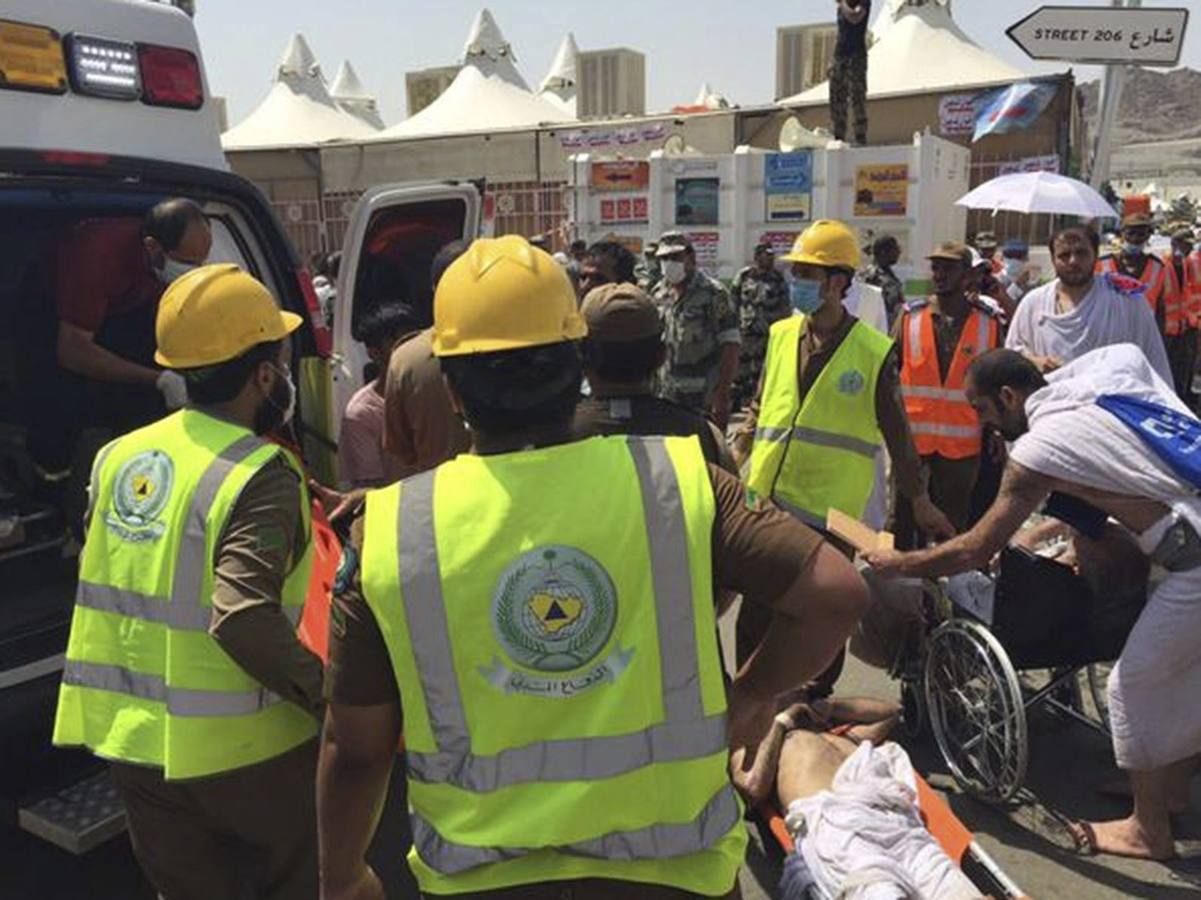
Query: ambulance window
(226, 247)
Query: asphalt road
(1027, 838)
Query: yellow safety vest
(549, 615)
(821, 455)
(144, 681)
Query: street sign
(1104, 35)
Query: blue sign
(788, 173)
(1013, 108)
(1174, 437)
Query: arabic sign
(619, 176)
(624, 137)
(957, 114)
(1103, 34)
(1049, 163)
(624, 209)
(881, 190)
(781, 241)
(697, 201)
(705, 244)
(788, 185)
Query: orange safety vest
(1159, 279)
(941, 419)
(1190, 290)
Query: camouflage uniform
(890, 285)
(648, 274)
(848, 87)
(762, 298)
(695, 328)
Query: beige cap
(621, 312)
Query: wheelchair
(1050, 643)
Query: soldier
(762, 298)
(648, 271)
(886, 253)
(700, 326)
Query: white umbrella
(1038, 192)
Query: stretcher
(952, 835)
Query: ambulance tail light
(31, 58)
(170, 77)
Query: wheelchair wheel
(913, 708)
(976, 710)
(1097, 676)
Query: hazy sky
(729, 44)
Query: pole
(1111, 98)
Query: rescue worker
(1185, 264)
(829, 397)
(761, 295)
(183, 667)
(622, 352)
(1160, 289)
(939, 337)
(701, 331)
(534, 607)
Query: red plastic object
(323, 338)
(327, 553)
(170, 77)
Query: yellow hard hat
(214, 314)
(826, 243)
(504, 294)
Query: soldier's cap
(1184, 233)
(955, 251)
(619, 313)
(764, 247)
(1136, 220)
(1015, 247)
(672, 242)
(986, 239)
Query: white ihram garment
(1154, 689)
(864, 839)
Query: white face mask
(173, 268)
(674, 271)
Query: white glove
(173, 388)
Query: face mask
(173, 268)
(1013, 267)
(280, 405)
(1133, 248)
(805, 295)
(674, 271)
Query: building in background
(610, 83)
(425, 86)
(804, 54)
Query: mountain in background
(1156, 106)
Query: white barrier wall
(908, 191)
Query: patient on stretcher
(852, 805)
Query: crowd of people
(557, 477)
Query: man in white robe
(1080, 311)
(1065, 442)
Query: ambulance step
(78, 818)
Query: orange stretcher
(952, 835)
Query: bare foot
(1121, 837)
(1120, 787)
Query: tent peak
(298, 59)
(562, 70)
(347, 85)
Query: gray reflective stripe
(180, 701)
(686, 733)
(915, 337)
(982, 331)
(661, 841)
(667, 538)
(836, 441)
(425, 610)
(132, 605)
(573, 760)
(934, 393)
(797, 513)
(773, 435)
(955, 431)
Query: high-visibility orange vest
(941, 419)
(1190, 290)
(1160, 283)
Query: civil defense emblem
(851, 382)
(143, 486)
(553, 610)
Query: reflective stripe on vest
(656, 842)
(941, 419)
(821, 454)
(686, 733)
(180, 701)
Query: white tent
(350, 95)
(487, 94)
(297, 111)
(559, 85)
(919, 49)
(711, 99)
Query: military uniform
(695, 327)
(648, 274)
(890, 285)
(762, 298)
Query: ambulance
(106, 111)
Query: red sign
(624, 175)
(624, 209)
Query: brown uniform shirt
(758, 551)
(261, 545)
(646, 414)
(890, 407)
(420, 427)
